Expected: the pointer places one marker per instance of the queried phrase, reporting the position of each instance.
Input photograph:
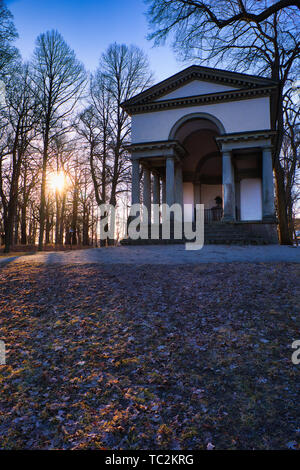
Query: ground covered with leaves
(149, 357)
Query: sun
(57, 181)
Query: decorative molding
(197, 72)
(245, 136)
(193, 116)
(161, 145)
(220, 97)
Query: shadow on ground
(145, 357)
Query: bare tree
(194, 16)
(28, 181)
(94, 136)
(59, 80)
(94, 128)
(86, 200)
(8, 33)
(22, 117)
(126, 72)
(104, 126)
(290, 155)
(102, 105)
(61, 150)
(260, 37)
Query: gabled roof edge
(195, 72)
(195, 100)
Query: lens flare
(57, 181)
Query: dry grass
(165, 357)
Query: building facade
(204, 136)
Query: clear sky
(89, 26)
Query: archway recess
(202, 164)
(208, 121)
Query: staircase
(222, 233)
(215, 233)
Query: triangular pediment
(197, 81)
(196, 88)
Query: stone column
(268, 207)
(135, 190)
(179, 188)
(156, 202)
(135, 182)
(228, 187)
(170, 181)
(163, 197)
(156, 189)
(147, 192)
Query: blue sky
(89, 26)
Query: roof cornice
(157, 145)
(234, 95)
(245, 136)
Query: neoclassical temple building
(204, 136)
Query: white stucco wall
(196, 87)
(251, 199)
(236, 116)
(188, 198)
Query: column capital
(267, 147)
(227, 153)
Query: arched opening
(202, 166)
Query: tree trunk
(74, 216)
(58, 220)
(12, 205)
(284, 235)
(8, 229)
(278, 124)
(49, 223)
(42, 205)
(61, 222)
(43, 186)
(16, 228)
(23, 224)
(85, 228)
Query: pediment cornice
(224, 96)
(196, 72)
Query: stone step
(207, 241)
(214, 233)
